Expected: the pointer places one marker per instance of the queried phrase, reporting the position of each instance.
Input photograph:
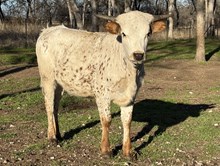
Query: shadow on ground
(15, 69)
(162, 114)
(154, 113)
(72, 132)
(211, 53)
(19, 92)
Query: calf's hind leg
(105, 118)
(52, 95)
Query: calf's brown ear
(112, 27)
(158, 26)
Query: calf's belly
(75, 87)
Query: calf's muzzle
(138, 56)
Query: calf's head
(133, 29)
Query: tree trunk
(127, 5)
(26, 21)
(74, 14)
(30, 8)
(2, 17)
(94, 18)
(210, 24)
(200, 23)
(171, 11)
(109, 7)
(84, 12)
(113, 7)
(177, 13)
(71, 15)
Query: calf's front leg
(126, 116)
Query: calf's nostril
(138, 56)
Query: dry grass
(15, 34)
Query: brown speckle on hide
(100, 66)
(77, 70)
(66, 61)
(80, 68)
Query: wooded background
(22, 20)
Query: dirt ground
(160, 77)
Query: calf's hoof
(132, 156)
(107, 155)
(53, 142)
(54, 139)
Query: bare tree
(200, 23)
(171, 11)
(2, 17)
(71, 15)
(94, 18)
(28, 12)
(74, 15)
(210, 10)
(85, 2)
(160, 6)
(177, 13)
(111, 8)
(127, 5)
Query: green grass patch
(180, 49)
(21, 101)
(169, 128)
(8, 135)
(9, 55)
(23, 84)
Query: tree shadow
(22, 91)
(161, 114)
(15, 69)
(69, 134)
(170, 48)
(211, 53)
(164, 115)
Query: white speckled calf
(108, 66)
